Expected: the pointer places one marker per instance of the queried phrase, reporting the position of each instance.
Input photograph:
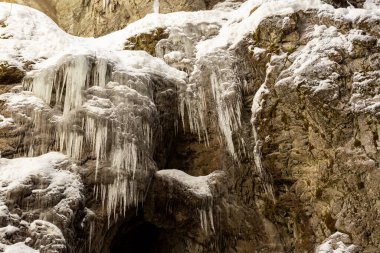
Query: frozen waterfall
(98, 113)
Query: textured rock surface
(37, 195)
(265, 138)
(315, 145)
(99, 17)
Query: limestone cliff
(250, 127)
(99, 17)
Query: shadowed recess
(140, 237)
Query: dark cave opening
(139, 237)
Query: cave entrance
(138, 237)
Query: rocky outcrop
(96, 17)
(10, 74)
(312, 144)
(249, 128)
(344, 4)
(37, 195)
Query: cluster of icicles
(97, 114)
(100, 113)
(226, 90)
(206, 216)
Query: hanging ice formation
(206, 218)
(226, 92)
(256, 109)
(199, 193)
(156, 6)
(106, 3)
(101, 113)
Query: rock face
(251, 127)
(44, 189)
(314, 144)
(99, 17)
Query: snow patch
(337, 243)
(20, 247)
(196, 185)
(5, 122)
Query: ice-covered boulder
(40, 200)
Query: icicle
(196, 109)
(106, 3)
(256, 109)
(211, 217)
(100, 145)
(228, 112)
(124, 141)
(101, 75)
(201, 218)
(90, 236)
(75, 80)
(156, 6)
(41, 84)
(121, 193)
(203, 213)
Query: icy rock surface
(336, 243)
(32, 189)
(20, 248)
(90, 102)
(91, 108)
(250, 127)
(195, 192)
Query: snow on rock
(338, 243)
(365, 96)
(69, 59)
(8, 230)
(197, 192)
(371, 4)
(318, 63)
(88, 98)
(102, 108)
(203, 20)
(30, 36)
(17, 174)
(21, 100)
(18, 171)
(5, 122)
(20, 247)
(44, 184)
(218, 67)
(245, 20)
(43, 233)
(92, 100)
(4, 212)
(199, 186)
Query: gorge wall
(99, 17)
(249, 127)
